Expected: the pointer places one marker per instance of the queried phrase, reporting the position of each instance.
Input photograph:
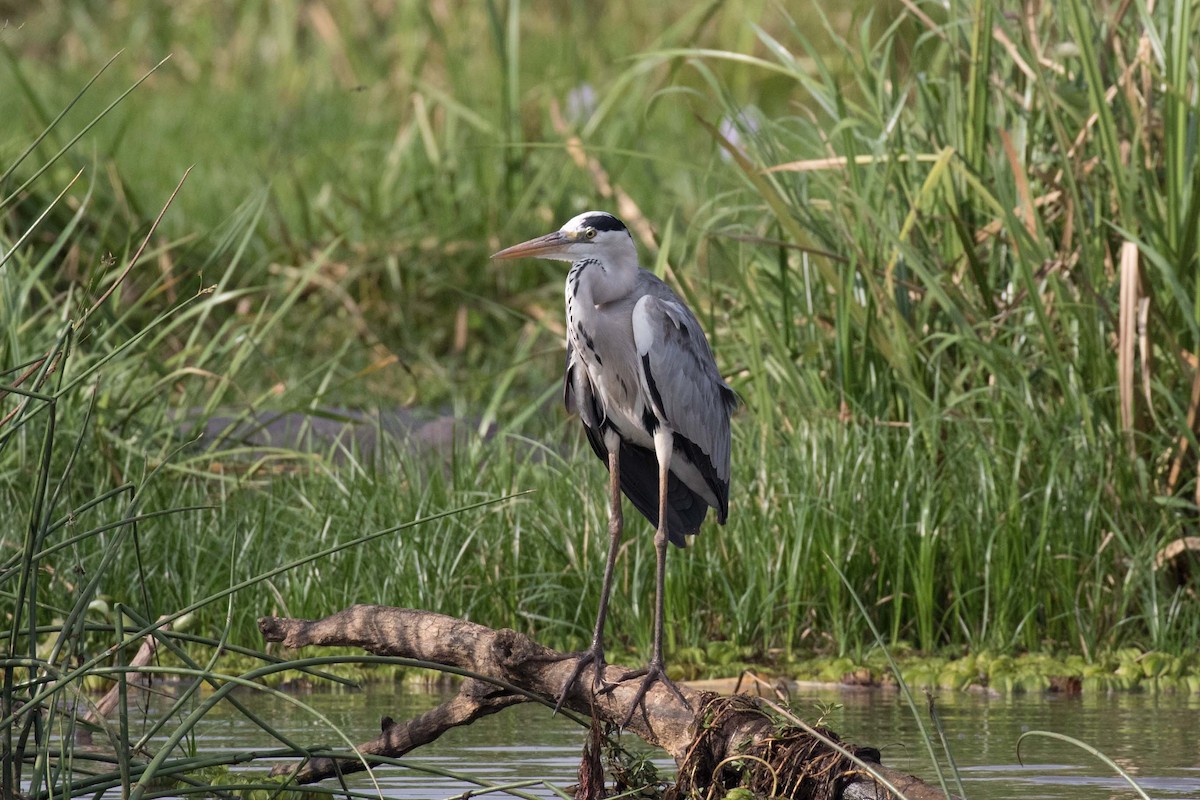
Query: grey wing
(639, 466)
(681, 381)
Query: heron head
(592, 234)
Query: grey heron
(641, 375)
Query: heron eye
(590, 233)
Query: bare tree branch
(714, 740)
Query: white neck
(608, 278)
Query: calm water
(1156, 739)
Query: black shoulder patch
(604, 222)
(654, 395)
(649, 421)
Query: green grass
(933, 400)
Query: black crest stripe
(603, 222)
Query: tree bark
(712, 739)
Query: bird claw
(593, 656)
(652, 673)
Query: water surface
(1155, 738)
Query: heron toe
(654, 672)
(593, 656)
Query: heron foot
(652, 673)
(593, 656)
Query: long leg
(595, 654)
(616, 523)
(655, 671)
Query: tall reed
(969, 251)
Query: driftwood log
(721, 741)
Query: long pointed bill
(550, 245)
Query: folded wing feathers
(685, 387)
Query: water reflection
(1154, 738)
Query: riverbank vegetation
(947, 258)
